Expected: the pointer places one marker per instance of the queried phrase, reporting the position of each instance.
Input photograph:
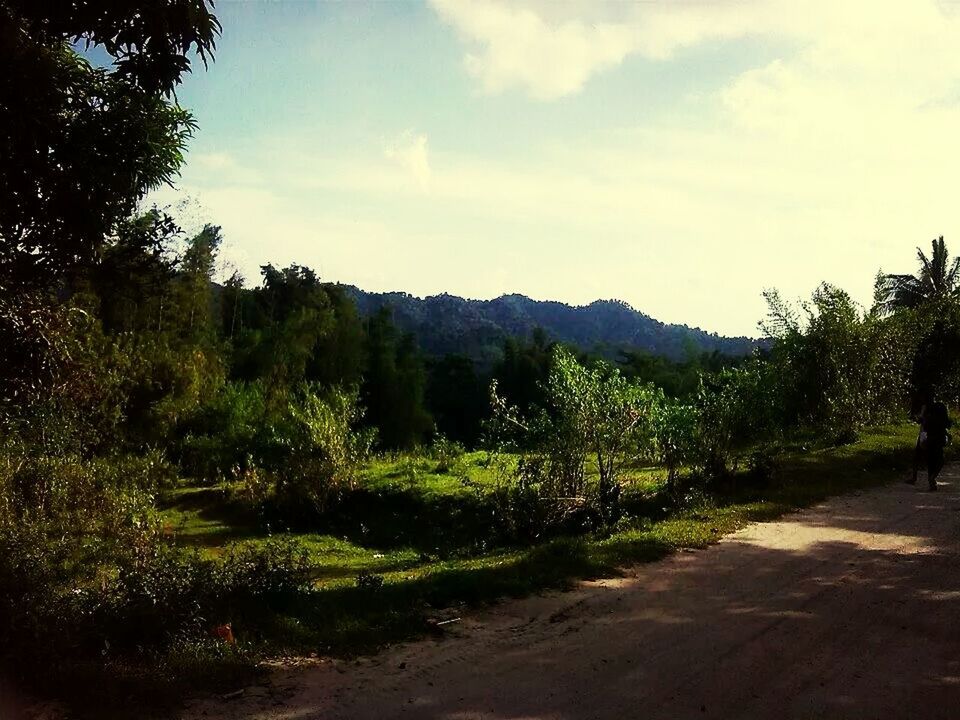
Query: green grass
(420, 475)
(423, 531)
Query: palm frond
(925, 276)
(940, 259)
(899, 291)
(952, 276)
(936, 278)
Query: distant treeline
(154, 288)
(447, 324)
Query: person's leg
(917, 457)
(934, 464)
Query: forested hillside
(447, 323)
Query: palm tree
(937, 279)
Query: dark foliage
(445, 324)
(82, 144)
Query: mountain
(449, 324)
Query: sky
(680, 155)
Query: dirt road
(847, 610)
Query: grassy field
(425, 534)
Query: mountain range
(445, 324)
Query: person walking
(937, 421)
(934, 421)
(920, 451)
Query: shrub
(762, 466)
(165, 385)
(159, 593)
(83, 508)
(736, 408)
(150, 599)
(86, 576)
(446, 453)
(529, 505)
(322, 450)
(162, 594)
(296, 451)
(677, 437)
(66, 525)
(278, 567)
(369, 581)
(838, 369)
(591, 414)
(229, 434)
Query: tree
(457, 398)
(929, 317)
(938, 279)
(591, 416)
(232, 306)
(934, 341)
(677, 436)
(836, 368)
(338, 355)
(132, 280)
(294, 314)
(393, 385)
(522, 372)
(195, 284)
(412, 422)
(81, 145)
(323, 449)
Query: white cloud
(410, 153)
(517, 47)
(551, 49)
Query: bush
(839, 369)
(67, 524)
(591, 414)
(228, 435)
(677, 437)
(446, 453)
(84, 509)
(155, 598)
(278, 567)
(296, 452)
(529, 506)
(87, 578)
(322, 450)
(736, 409)
(159, 593)
(165, 385)
(162, 594)
(369, 581)
(763, 466)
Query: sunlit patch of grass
(421, 474)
